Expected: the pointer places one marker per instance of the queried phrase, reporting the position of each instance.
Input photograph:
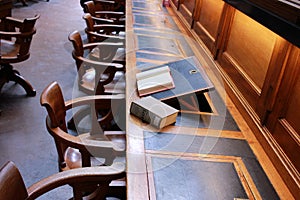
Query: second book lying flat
(154, 112)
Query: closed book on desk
(154, 112)
(189, 78)
(154, 80)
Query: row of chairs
(92, 162)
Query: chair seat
(117, 86)
(9, 49)
(73, 159)
(73, 156)
(119, 56)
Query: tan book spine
(154, 112)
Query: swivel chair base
(7, 73)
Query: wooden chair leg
(13, 75)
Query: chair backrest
(78, 50)
(11, 183)
(104, 32)
(28, 30)
(109, 5)
(89, 22)
(52, 99)
(89, 7)
(21, 32)
(103, 52)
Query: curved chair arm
(10, 34)
(12, 184)
(109, 28)
(82, 176)
(103, 37)
(91, 100)
(97, 64)
(110, 14)
(14, 22)
(100, 68)
(101, 102)
(91, 46)
(17, 23)
(95, 44)
(89, 144)
(16, 34)
(112, 26)
(100, 20)
(104, 1)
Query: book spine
(145, 115)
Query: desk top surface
(152, 39)
(166, 163)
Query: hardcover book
(154, 80)
(189, 78)
(154, 112)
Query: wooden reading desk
(204, 155)
(147, 48)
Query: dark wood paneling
(246, 55)
(283, 121)
(207, 21)
(186, 8)
(176, 3)
(257, 52)
(279, 17)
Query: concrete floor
(23, 135)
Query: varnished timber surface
(206, 173)
(235, 166)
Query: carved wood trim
(197, 9)
(287, 82)
(223, 30)
(273, 78)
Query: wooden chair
(103, 32)
(99, 72)
(80, 150)
(12, 185)
(14, 48)
(109, 5)
(104, 15)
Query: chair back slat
(11, 183)
(27, 30)
(52, 99)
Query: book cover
(189, 77)
(153, 111)
(154, 80)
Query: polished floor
(25, 140)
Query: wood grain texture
(145, 58)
